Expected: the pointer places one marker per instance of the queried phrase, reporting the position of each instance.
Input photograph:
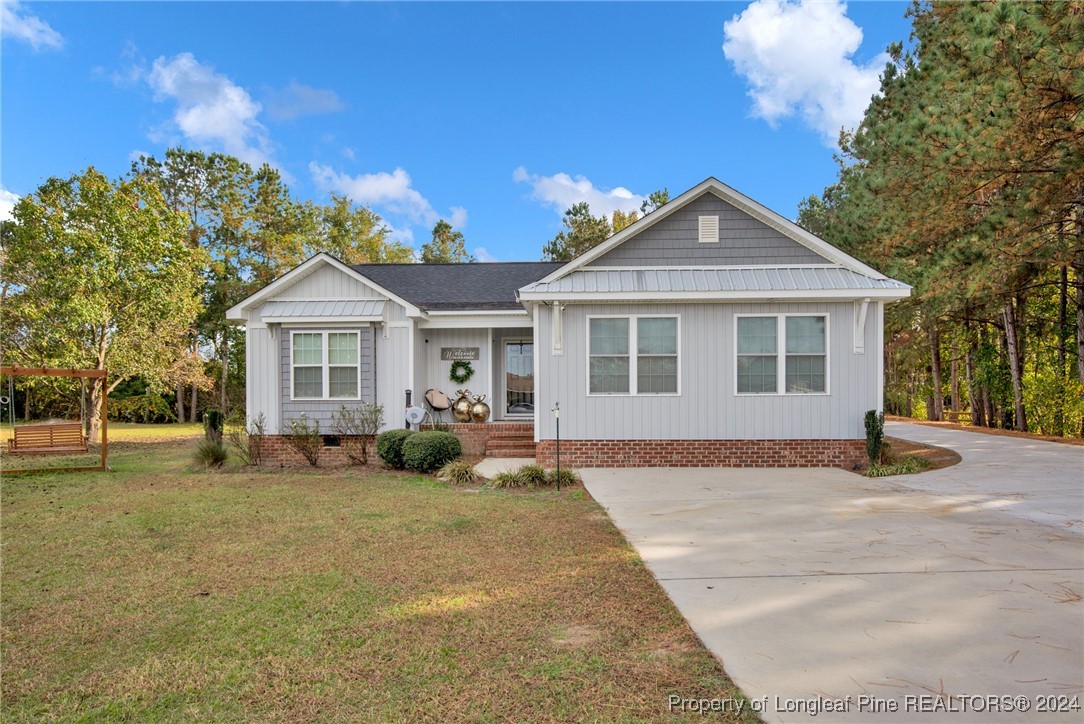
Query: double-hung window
(782, 353)
(632, 355)
(325, 365)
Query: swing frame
(103, 375)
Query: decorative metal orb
(479, 411)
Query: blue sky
(495, 116)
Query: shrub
(389, 446)
(533, 476)
(213, 422)
(238, 435)
(429, 450)
(357, 426)
(568, 477)
(875, 435)
(305, 438)
(904, 466)
(458, 472)
(507, 479)
(211, 453)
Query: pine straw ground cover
(162, 592)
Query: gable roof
(236, 313)
(740, 201)
(475, 286)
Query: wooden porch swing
(56, 438)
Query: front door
(518, 379)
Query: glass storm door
(519, 378)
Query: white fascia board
(762, 213)
(477, 321)
(318, 320)
(752, 295)
(302, 270)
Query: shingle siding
(674, 241)
(322, 410)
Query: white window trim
(324, 364)
(633, 355)
(781, 355)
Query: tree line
(965, 179)
(135, 275)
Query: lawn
(160, 591)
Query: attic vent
(709, 229)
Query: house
(710, 332)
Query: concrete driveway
(815, 585)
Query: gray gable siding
(322, 410)
(674, 241)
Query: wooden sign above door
(458, 353)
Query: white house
(710, 332)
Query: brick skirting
(475, 438)
(703, 453)
(274, 451)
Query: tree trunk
(936, 411)
(94, 408)
(1012, 341)
(180, 403)
(974, 398)
(26, 405)
(1078, 278)
(192, 407)
(955, 372)
(223, 399)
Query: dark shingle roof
(458, 286)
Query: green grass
(158, 591)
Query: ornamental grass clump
(459, 472)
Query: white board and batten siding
(707, 406)
(263, 384)
(327, 282)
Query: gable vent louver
(709, 229)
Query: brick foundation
(477, 439)
(275, 452)
(703, 453)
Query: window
(801, 341)
(616, 369)
(324, 365)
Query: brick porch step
(512, 452)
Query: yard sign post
(557, 417)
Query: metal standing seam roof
(713, 280)
(303, 308)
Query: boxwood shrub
(389, 446)
(429, 450)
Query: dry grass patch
(163, 592)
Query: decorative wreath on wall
(461, 371)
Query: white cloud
(136, 154)
(298, 99)
(390, 193)
(458, 218)
(796, 57)
(482, 254)
(562, 191)
(7, 203)
(348, 153)
(18, 23)
(211, 109)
